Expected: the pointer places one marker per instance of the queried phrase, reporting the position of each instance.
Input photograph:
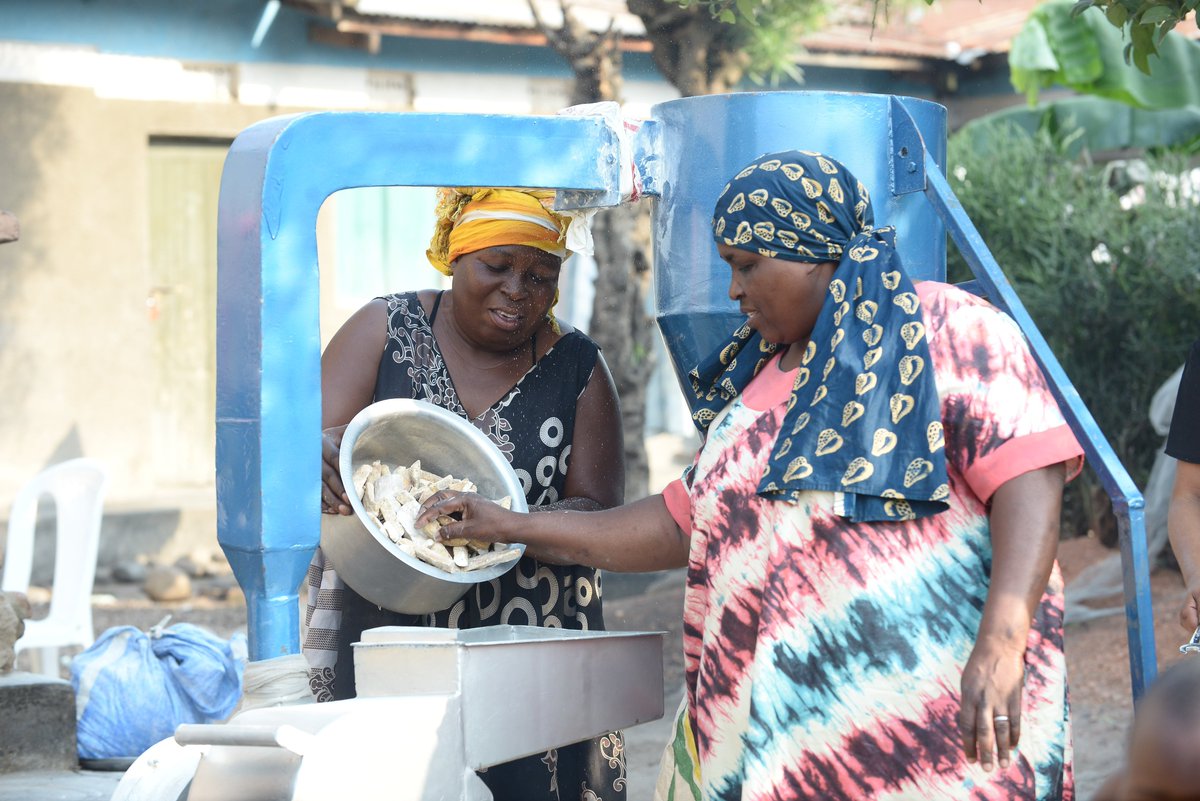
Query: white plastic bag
(282, 681)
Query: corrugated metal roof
(595, 14)
(946, 30)
(953, 30)
(957, 30)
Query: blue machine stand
(1128, 505)
(279, 172)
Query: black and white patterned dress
(532, 425)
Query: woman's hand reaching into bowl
(474, 517)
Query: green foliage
(1115, 290)
(1146, 23)
(1081, 48)
(767, 32)
(1104, 125)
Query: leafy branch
(766, 31)
(1082, 50)
(1144, 23)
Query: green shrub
(1113, 286)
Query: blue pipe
(269, 12)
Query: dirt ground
(1097, 652)
(1098, 666)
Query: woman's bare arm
(1024, 523)
(636, 538)
(1183, 526)
(350, 364)
(349, 367)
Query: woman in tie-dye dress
(872, 606)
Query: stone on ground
(167, 583)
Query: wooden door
(184, 183)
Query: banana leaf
(1085, 52)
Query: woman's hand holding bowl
(334, 500)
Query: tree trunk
(696, 53)
(619, 323)
(626, 333)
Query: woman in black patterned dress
(489, 350)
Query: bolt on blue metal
(906, 148)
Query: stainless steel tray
(524, 688)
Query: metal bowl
(398, 432)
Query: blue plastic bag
(133, 688)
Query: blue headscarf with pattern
(864, 417)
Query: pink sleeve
(679, 503)
(999, 415)
(1023, 454)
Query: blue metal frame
(276, 176)
(917, 168)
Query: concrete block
(37, 723)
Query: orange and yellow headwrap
(474, 218)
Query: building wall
(78, 309)
(221, 32)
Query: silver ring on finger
(1000, 718)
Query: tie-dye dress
(823, 657)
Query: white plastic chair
(77, 487)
